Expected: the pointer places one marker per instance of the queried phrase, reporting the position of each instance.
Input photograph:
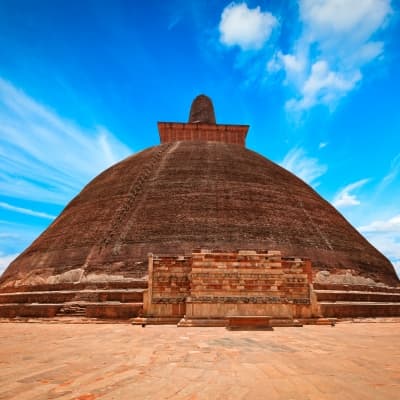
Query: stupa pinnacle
(202, 111)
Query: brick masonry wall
(242, 278)
(173, 131)
(248, 277)
(170, 279)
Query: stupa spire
(202, 111)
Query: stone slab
(253, 322)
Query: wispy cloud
(16, 236)
(345, 198)
(307, 168)
(4, 235)
(45, 157)
(390, 225)
(389, 244)
(26, 211)
(245, 27)
(392, 174)
(385, 235)
(174, 21)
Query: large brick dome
(190, 192)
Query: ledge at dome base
(257, 289)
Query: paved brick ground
(87, 362)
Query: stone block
(248, 323)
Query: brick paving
(121, 361)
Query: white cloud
(391, 225)
(5, 260)
(244, 27)
(332, 17)
(45, 157)
(323, 86)
(335, 44)
(345, 198)
(306, 168)
(26, 211)
(322, 145)
(385, 235)
(274, 64)
(325, 62)
(291, 63)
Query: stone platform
(115, 300)
(204, 289)
(351, 361)
(353, 301)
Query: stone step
(361, 288)
(143, 321)
(113, 310)
(246, 322)
(358, 296)
(81, 313)
(78, 286)
(51, 297)
(353, 309)
(91, 310)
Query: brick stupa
(200, 188)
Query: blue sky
(83, 84)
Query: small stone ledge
(255, 322)
(143, 321)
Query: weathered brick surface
(202, 110)
(113, 311)
(170, 279)
(360, 288)
(334, 296)
(118, 285)
(248, 277)
(208, 280)
(174, 131)
(354, 310)
(57, 297)
(29, 310)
